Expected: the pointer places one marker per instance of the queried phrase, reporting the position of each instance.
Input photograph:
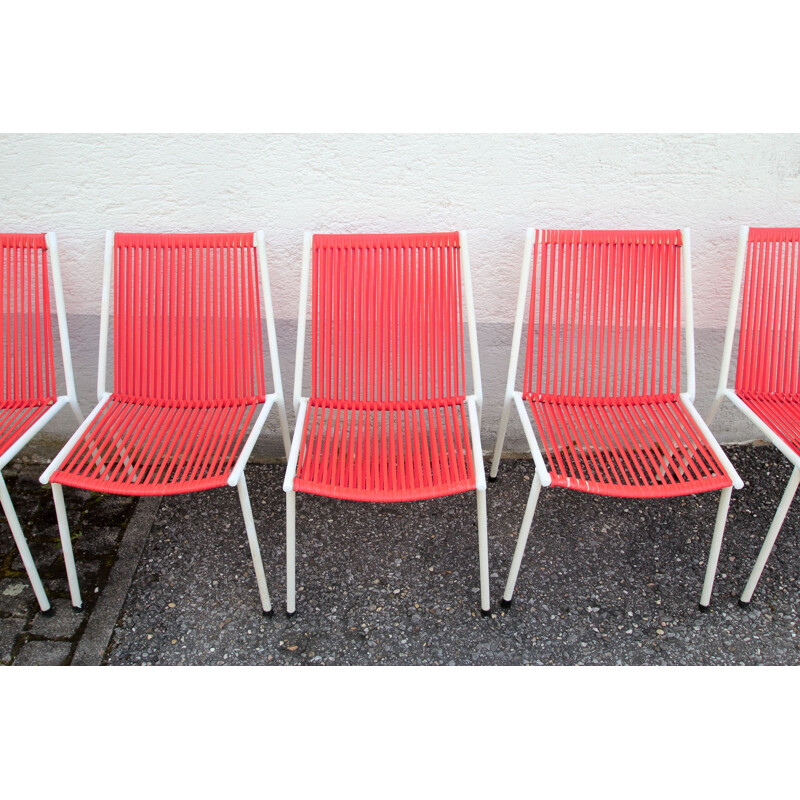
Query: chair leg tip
(486, 612)
(492, 479)
(77, 609)
(47, 612)
(506, 603)
(702, 607)
(290, 614)
(270, 613)
(744, 603)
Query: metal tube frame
(474, 403)
(727, 392)
(236, 478)
(541, 476)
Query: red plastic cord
(768, 363)
(27, 371)
(188, 365)
(603, 364)
(387, 418)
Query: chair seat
(639, 447)
(151, 448)
(385, 452)
(16, 419)
(781, 412)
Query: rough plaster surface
(493, 186)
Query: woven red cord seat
(634, 449)
(386, 417)
(188, 367)
(364, 453)
(146, 448)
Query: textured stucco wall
(494, 186)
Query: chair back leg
(772, 535)
(22, 546)
(255, 550)
(66, 546)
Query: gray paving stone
(16, 595)
(43, 654)
(10, 629)
(62, 624)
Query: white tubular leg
(66, 545)
(501, 437)
(22, 546)
(483, 551)
(290, 547)
(716, 544)
(772, 535)
(712, 411)
(522, 539)
(287, 442)
(76, 410)
(255, 550)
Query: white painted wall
(494, 186)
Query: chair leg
(290, 552)
(501, 437)
(22, 546)
(522, 540)
(284, 423)
(255, 550)
(716, 544)
(772, 535)
(483, 552)
(66, 546)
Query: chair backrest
(605, 314)
(187, 325)
(28, 369)
(387, 320)
(769, 337)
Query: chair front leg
(716, 544)
(22, 546)
(290, 552)
(772, 535)
(255, 550)
(66, 546)
(483, 552)
(522, 539)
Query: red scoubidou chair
(602, 375)
(188, 375)
(29, 398)
(767, 389)
(388, 418)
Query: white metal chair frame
(542, 477)
(70, 399)
(726, 392)
(236, 477)
(474, 405)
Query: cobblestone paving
(97, 524)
